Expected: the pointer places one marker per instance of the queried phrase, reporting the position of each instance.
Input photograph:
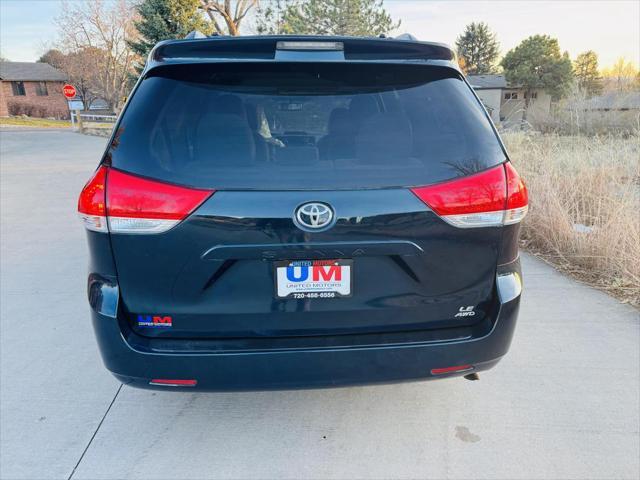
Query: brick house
(33, 89)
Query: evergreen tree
(165, 20)
(585, 70)
(478, 48)
(270, 17)
(536, 63)
(326, 17)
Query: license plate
(313, 278)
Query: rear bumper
(301, 367)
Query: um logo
(319, 273)
(154, 321)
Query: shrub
(573, 116)
(573, 121)
(584, 204)
(35, 110)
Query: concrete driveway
(563, 404)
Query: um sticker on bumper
(157, 321)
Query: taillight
(491, 198)
(92, 202)
(517, 196)
(138, 205)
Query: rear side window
(280, 126)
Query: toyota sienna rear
(281, 212)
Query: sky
(610, 27)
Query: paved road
(563, 404)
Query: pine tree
(536, 63)
(165, 20)
(270, 17)
(585, 70)
(478, 48)
(326, 17)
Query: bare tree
(53, 57)
(81, 67)
(622, 76)
(103, 29)
(232, 12)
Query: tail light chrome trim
(515, 215)
(95, 223)
(140, 225)
(475, 220)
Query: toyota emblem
(314, 216)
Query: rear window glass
(304, 126)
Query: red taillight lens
(92, 202)
(480, 200)
(137, 205)
(169, 382)
(517, 196)
(460, 368)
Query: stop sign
(69, 91)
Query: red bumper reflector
(166, 382)
(460, 368)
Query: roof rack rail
(407, 37)
(194, 34)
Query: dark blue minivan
(280, 212)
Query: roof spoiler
(197, 48)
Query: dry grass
(584, 212)
(574, 115)
(34, 122)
